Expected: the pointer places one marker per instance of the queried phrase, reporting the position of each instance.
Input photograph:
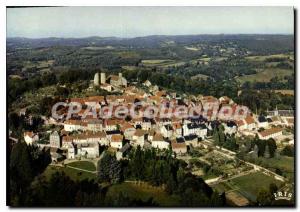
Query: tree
(267, 152)
(21, 172)
(216, 137)
(264, 198)
(288, 151)
(109, 169)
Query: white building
(270, 133)
(159, 142)
(88, 150)
(166, 131)
(195, 129)
(116, 141)
(71, 151)
(30, 137)
(55, 139)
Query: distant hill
(252, 42)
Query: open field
(261, 58)
(83, 165)
(162, 63)
(266, 75)
(72, 173)
(143, 191)
(285, 92)
(248, 185)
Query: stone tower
(96, 79)
(103, 78)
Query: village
(83, 135)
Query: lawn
(83, 165)
(143, 191)
(250, 185)
(72, 173)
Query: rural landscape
(83, 158)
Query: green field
(162, 63)
(266, 75)
(284, 163)
(83, 165)
(143, 191)
(261, 58)
(72, 173)
(248, 185)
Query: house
(262, 122)
(55, 139)
(167, 130)
(30, 137)
(23, 111)
(270, 133)
(230, 127)
(71, 151)
(146, 124)
(147, 83)
(66, 141)
(111, 124)
(123, 151)
(97, 137)
(195, 129)
(151, 134)
(241, 125)
(159, 142)
(116, 141)
(289, 122)
(128, 130)
(177, 129)
(179, 147)
(139, 137)
(275, 120)
(106, 87)
(74, 125)
(94, 125)
(225, 100)
(90, 151)
(191, 140)
(117, 81)
(250, 123)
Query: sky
(142, 21)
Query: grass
(156, 62)
(72, 173)
(266, 75)
(162, 63)
(143, 191)
(262, 58)
(83, 165)
(283, 163)
(249, 185)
